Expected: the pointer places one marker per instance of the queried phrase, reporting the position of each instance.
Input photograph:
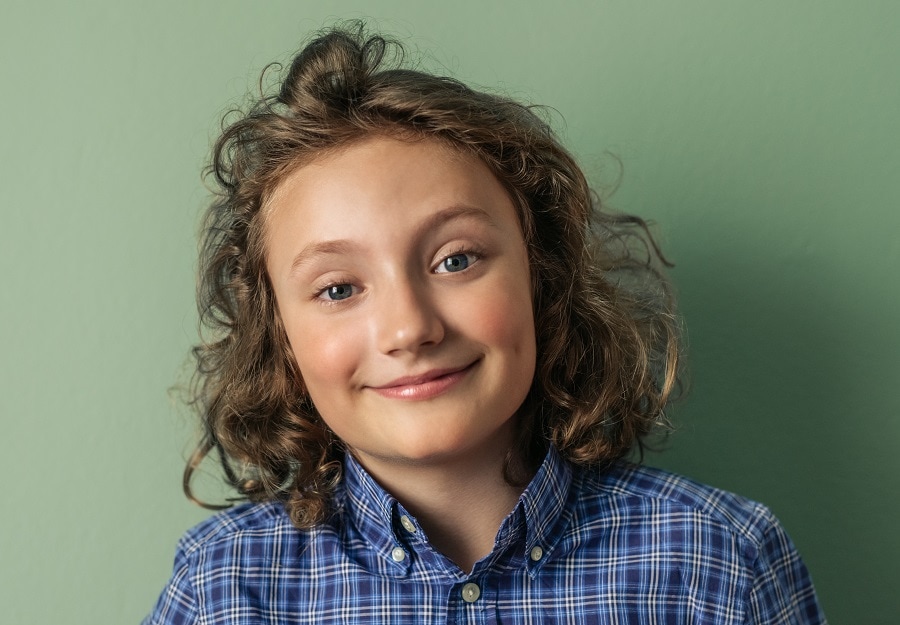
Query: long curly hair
(607, 336)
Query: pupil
(457, 262)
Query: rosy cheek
(506, 320)
(327, 358)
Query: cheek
(506, 322)
(326, 359)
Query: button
(471, 592)
(537, 553)
(407, 524)
(398, 554)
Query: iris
(457, 262)
(339, 292)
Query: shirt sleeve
(782, 591)
(177, 604)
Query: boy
(431, 353)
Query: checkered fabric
(629, 544)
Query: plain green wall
(761, 136)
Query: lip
(425, 385)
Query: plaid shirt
(627, 545)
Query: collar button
(397, 554)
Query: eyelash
(467, 250)
(474, 253)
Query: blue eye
(456, 262)
(338, 292)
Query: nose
(407, 319)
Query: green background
(762, 137)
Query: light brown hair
(607, 336)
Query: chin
(429, 451)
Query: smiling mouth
(424, 386)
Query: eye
(455, 262)
(336, 292)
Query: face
(402, 280)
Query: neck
(459, 503)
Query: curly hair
(607, 337)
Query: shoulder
(718, 548)
(246, 527)
(642, 493)
(215, 544)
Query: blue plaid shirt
(626, 545)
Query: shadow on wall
(789, 401)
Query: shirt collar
(373, 511)
(544, 503)
(541, 507)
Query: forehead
(384, 150)
(387, 177)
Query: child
(430, 354)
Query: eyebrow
(345, 246)
(322, 248)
